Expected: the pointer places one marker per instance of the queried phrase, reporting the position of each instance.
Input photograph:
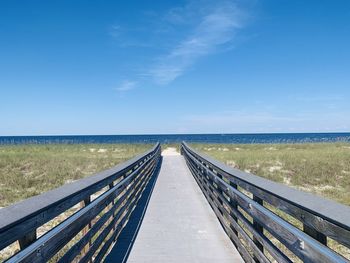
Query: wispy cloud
(181, 36)
(217, 26)
(126, 85)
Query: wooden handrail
(247, 207)
(125, 183)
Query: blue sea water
(177, 138)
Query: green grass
(320, 168)
(28, 170)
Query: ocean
(178, 138)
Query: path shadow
(121, 250)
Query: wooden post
(111, 185)
(27, 239)
(315, 234)
(84, 203)
(258, 228)
(220, 191)
(234, 206)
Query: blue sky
(134, 67)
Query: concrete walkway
(179, 224)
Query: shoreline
(178, 138)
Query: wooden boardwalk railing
(268, 221)
(93, 228)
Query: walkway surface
(179, 225)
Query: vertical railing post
(110, 186)
(259, 228)
(208, 184)
(315, 234)
(27, 239)
(221, 192)
(234, 206)
(84, 203)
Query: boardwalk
(179, 225)
(161, 215)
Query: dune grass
(28, 170)
(320, 168)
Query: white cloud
(126, 85)
(183, 35)
(217, 25)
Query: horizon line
(157, 134)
